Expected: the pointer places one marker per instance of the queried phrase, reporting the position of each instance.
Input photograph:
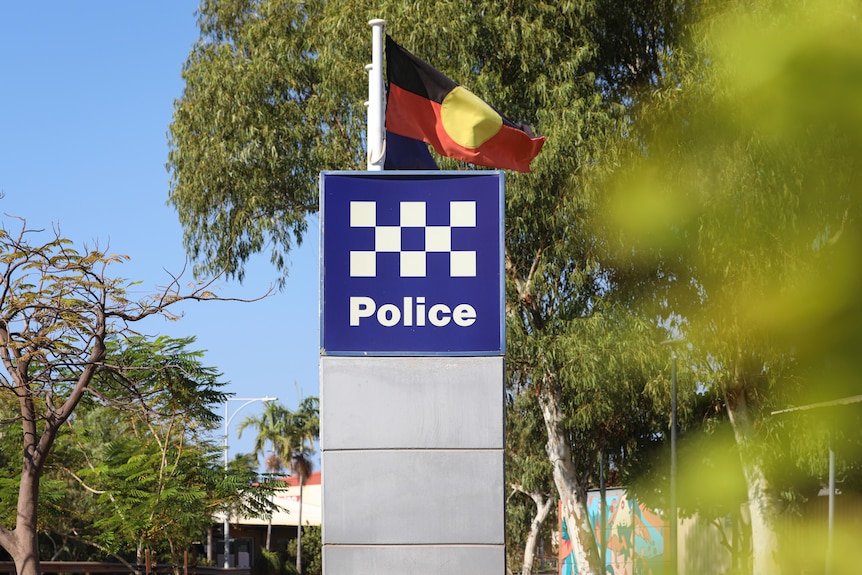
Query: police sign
(412, 263)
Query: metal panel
(403, 560)
(413, 497)
(412, 402)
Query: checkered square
(412, 262)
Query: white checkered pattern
(387, 239)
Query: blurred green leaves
(741, 178)
(747, 173)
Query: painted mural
(634, 536)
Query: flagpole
(374, 130)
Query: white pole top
(376, 116)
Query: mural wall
(633, 534)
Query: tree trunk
(762, 509)
(268, 533)
(543, 509)
(22, 542)
(299, 530)
(762, 502)
(24, 547)
(211, 554)
(26, 557)
(176, 559)
(573, 495)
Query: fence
(96, 568)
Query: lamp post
(227, 420)
(830, 531)
(673, 425)
(672, 512)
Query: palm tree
(291, 436)
(304, 430)
(270, 425)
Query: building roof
(313, 479)
(288, 502)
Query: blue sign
(412, 263)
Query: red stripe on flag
(510, 148)
(413, 116)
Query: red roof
(293, 480)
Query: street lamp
(672, 512)
(673, 425)
(227, 420)
(831, 509)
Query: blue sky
(86, 98)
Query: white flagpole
(375, 129)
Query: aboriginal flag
(423, 104)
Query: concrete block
(413, 497)
(403, 560)
(412, 402)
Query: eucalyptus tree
(532, 499)
(746, 173)
(274, 94)
(58, 310)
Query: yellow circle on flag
(468, 120)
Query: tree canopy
(274, 94)
(743, 174)
(698, 181)
(144, 453)
(61, 313)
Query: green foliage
(269, 562)
(134, 465)
(255, 125)
(155, 497)
(290, 434)
(312, 551)
(162, 378)
(149, 473)
(283, 560)
(527, 463)
(59, 310)
(9, 450)
(742, 181)
(275, 93)
(749, 180)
